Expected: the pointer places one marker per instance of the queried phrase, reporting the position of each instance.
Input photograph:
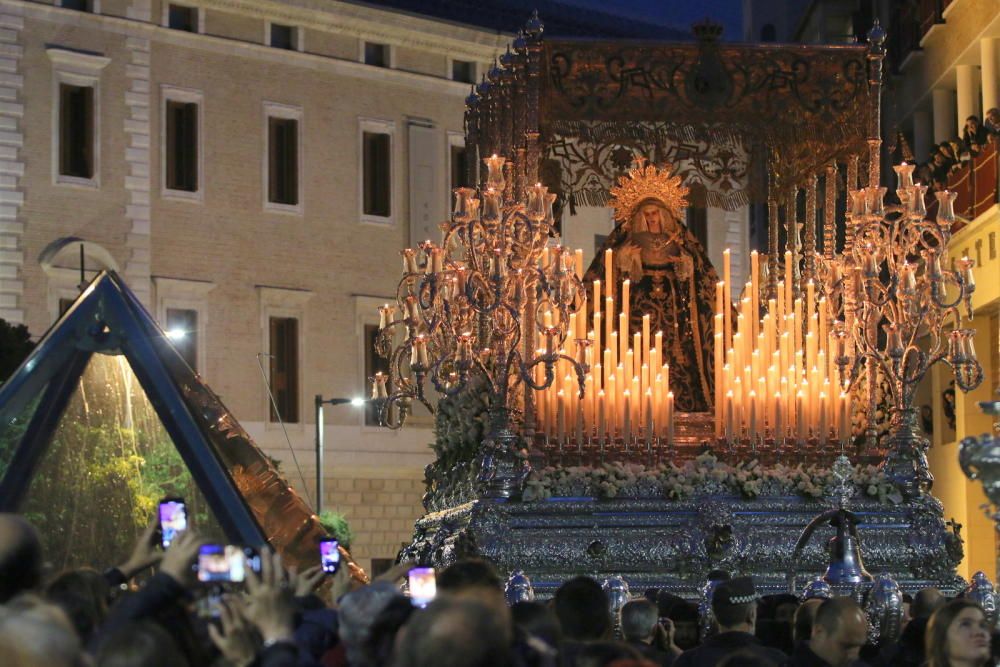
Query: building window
(64, 305)
(463, 70)
(284, 349)
(181, 149)
(374, 363)
(459, 166)
(76, 131)
(184, 18)
(182, 330)
(377, 174)
(282, 37)
(599, 241)
(283, 161)
(78, 5)
(376, 54)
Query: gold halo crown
(644, 182)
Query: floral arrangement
(705, 475)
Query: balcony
(912, 21)
(976, 182)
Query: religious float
(645, 416)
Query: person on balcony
(992, 123)
(974, 135)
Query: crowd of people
(948, 156)
(279, 618)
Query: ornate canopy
(728, 116)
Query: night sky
(676, 13)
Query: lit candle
(608, 272)
(386, 316)
(730, 431)
(637, 352)
(718, 377)
(561, 416)
(844, 421)
(727, 305)
(670, 418)
(800, 421)
(753, 413)
(409, 260)
(645, 339)
(579, 423)
(788, 281)
(824, 431)
(755, 290)
(609, 329)
(627, 416)
(623, 337)
(779, 425)
(649, 416)
(601, 421)
(379, 388)
(626, 306)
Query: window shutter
(425, 176)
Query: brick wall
(381, 509)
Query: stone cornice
(70, 60)
(374, 24)
(131, 28)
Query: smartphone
(173, 519)
(423, 586)
(209, 606)
(329, 555)
(224, 564)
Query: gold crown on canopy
(645, 182)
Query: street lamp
(320, 402)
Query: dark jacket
(724, 644)
(652, 653)
(803, 656)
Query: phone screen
(218, 563)
(423, 586)
(329, 555)
(173, 520)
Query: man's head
(472, 572)
(805, 617)
(140, 644)
(476, 580)
(639, 618)
(993, 116)
(926, 602)
(453, 632)
(839, 631)
(582, 609)
(37, 632)
(734, 603)
(20, 557)
(357, 612)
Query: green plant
(15, 344)
(336, 525)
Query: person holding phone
(173, 519)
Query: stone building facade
(214, 155)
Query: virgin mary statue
(671, 278)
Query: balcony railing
(976, 183)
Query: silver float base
(674, 544)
